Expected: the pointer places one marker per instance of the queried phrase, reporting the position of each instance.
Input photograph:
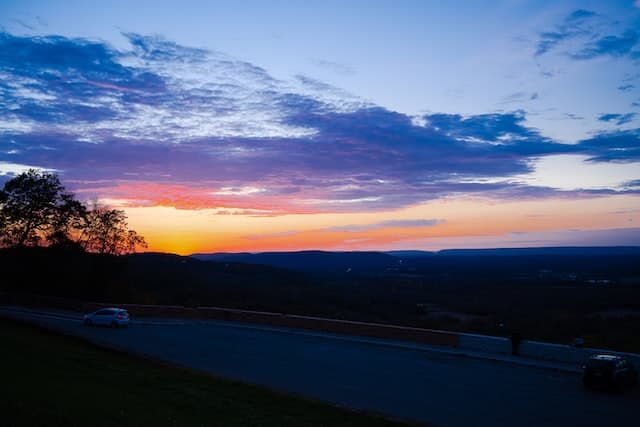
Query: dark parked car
(609, 371)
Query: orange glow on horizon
(185, 231)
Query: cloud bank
(170, 125)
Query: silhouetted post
(516, 339)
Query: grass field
(53, 380)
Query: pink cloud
(192, 197)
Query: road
(428, 387)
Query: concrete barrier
(536, 349)
(485, 344)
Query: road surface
(428, 387)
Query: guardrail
(470, 342)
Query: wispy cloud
(23, 24)
(336, 67)
(254, 213)
(572, 116)
(288, 233)
(582, 35)
(574, 25)
(634, 184)
(158, 90)
(520, 97)
(611, 45)
(619, 119)
(409, 223)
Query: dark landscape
(548, 294)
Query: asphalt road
(423, 386)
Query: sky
(334, 125)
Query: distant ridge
(370, 261)
(308, 260)
(410, 254)
(552, 250)
(546, 250)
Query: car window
(600, 363)
(104, 312)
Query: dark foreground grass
(51, 380)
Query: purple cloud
(196, 119)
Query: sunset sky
(334, 125)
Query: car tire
(88, 322)
(114, 324)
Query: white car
(113, 317)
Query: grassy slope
(53, 380)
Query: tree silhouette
(106, 231)
(36, 210)
(34, 207)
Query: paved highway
(423, 386)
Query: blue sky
(267, 109)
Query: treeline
(37, 210)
